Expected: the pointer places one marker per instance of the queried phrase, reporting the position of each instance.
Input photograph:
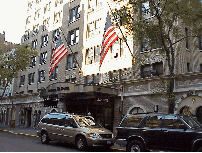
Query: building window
(54, 74)
(97, 53)
(34, 43)
(146, 71)
(32, 61)
(22, 80)
(45, 24)
(44, 40)
(188, 67)
(57, 17)
(187, 39)
(145, 10)
(200, 67)
(96, 79)
(158, 67)
(41, 75)
(89, 55)
(89, 80)
(93, 4)
(43, 58)
(200, 43)
(56, 34)
(74, 14)
(31, 78)
(145, 45)
(73, 36)
(71, 61)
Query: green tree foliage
(161, 24)
(12, 61)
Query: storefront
(83, 100)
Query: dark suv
(159, 132)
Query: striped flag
(58, 54)
(109, 38)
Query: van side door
(68, 130)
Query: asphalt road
(19, 143)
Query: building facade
(78, 85)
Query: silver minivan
(80, 130)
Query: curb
(29, 135)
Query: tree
(161, 24)
(12, 61)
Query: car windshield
(86, 121)
(191, 122)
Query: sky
(12, 19)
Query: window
(93, 4)
(32, 61)
(91, 29)
(200, 67)
(188, 67)
(89, 55)
(187, 39)
(88, 80)
(97, 54)
(56, 34)
(132, 121)
(73, 36)
(57, 17)
(42, 75)
(136, 110)
(96, 79)
(69, 122)
(43, 58)
(74, 14)
(172, 122)
(146, 71)
(44, 40)
(31, 78)
(71, 61)
(45, 24)
(54, 74)
(158, 67)
(145, 11)
(200, 43)
(22, 80)
(145, 45)
(34, 43)
(154, 122)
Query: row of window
(72, 38)
(41, 77)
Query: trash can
(12, 123)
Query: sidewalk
(30, 131)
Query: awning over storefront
(63, 89)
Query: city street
(19, 143)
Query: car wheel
(81, 143)
(44, 138)
(199, 149)
(135, 146)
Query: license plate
(109, 142)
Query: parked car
(80, 130)
(159, 132)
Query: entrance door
(29, 112)
(199, 114)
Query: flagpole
(122, 34)
(70, 48)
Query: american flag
(58, 54)
(109, 38)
